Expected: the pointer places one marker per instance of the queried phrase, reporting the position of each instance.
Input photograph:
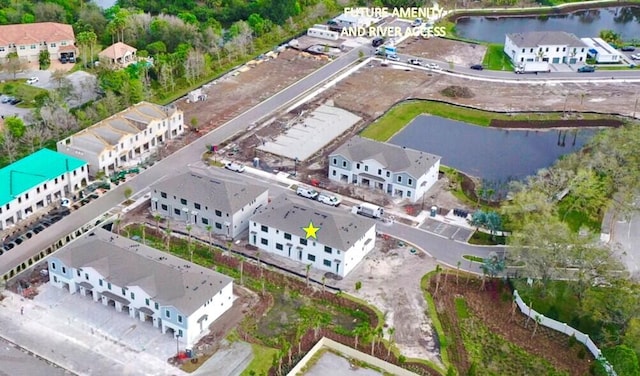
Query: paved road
(171, 165)
(625, 238)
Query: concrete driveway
(7, 110)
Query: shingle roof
(111, 130)
(117, 50)
(545, 38)
(210, 191)
(35, 33)
(394, 158)
(339, 229)
(33, 170)
(169, 280)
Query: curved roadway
(445, 250)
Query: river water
(584, 24)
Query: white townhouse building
(204, 200)
(124, 138)
(27, 40)
(170, 293)
(37, 180)
(554, 47)
(396, 170)
(327, 238)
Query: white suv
(32, 80)
(234, 167)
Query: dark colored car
(586, 69)
(377, 41)
(477, 67)
(63, 59)
(628, 48)
(15, 101)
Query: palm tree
(157, 217)
(229, 245)
(361, 330)
(189, 228)
(144, 233)
(390, 331)
(167, 233)
(241, 266)
(376, 335)
(324, 281)
(438, 271)
(117, 225)
(308, 267)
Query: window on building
(335, 161)
(22, 47)
(218, 213)
(86, 276)
(564, 49)
(109, 285)
(156, 305)
(326, 262)
(366, 168)
(176, 211)
(303, 241)
(179, 332)
(328, 249)
(78, 272)
(146, 301)
(164, 207)
(333, 173)
(546, 49)
(408, 193)
(279, 247)
(264, 228)
(64, 270)
(388, 174)
(344, 163)
(311, 257)
(100, 282)
(167, 314)
(218, 226)
(53, 265)
(183, 201)
(410, 181)
(132, 295)
(204, 221)
(358, 166)
(399, 179)
(196, 205)
(379, 171)
(264, 241)
(180, 318)
(557, 49)
(124, 292)
(287, 236)
(531, 51)
(52, 44)
(163, 195)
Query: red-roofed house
(119, 55)
(29, 39)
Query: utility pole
(635, 107)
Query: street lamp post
(635, 107)
(295, 166)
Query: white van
(329, 199)
(308, 193)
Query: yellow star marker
(311, 231)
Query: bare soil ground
(232, 95)
(355, 94)
(444, 49)
(498, 315)
(390, 280)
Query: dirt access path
(453, 51)
(231, 95)
(390, 278)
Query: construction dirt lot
(459, 53)
(232, 94)
(390, 278)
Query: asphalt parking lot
(447, 230)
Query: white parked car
(32, 80)
(433, 66)
(393, 57)
(237, 167)
(328, 199)
(635, 57)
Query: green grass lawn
(20, 89)
(399, 116)
(473, 258)
(576, 219)
(481, 238)
(496, 59)
(261, 362)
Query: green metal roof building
(35, 180)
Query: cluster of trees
(603, 176)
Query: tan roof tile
(20, 34)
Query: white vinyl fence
(566, 329)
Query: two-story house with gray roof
(125, 138)
(152, 286)
(398, 171)
(203, 200)
(554, 47)
(328, 239)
